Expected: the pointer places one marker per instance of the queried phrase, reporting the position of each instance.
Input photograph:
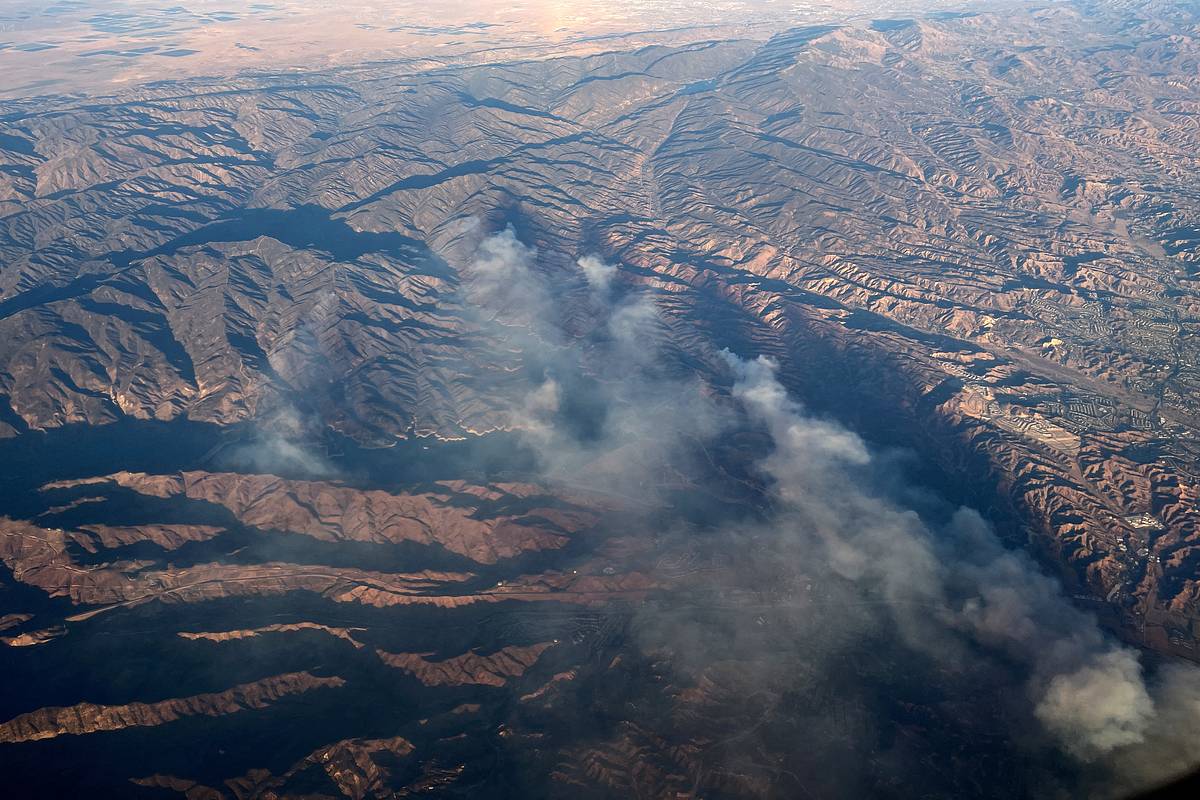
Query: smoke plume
(959, 583)
(608, 407)
(602, 408)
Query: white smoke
(503, 282)
(598, 410)
(597, 273)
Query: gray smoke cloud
(1089, 692)
(504, 284)
(598, 273)
(606, 408)
(599, 408)
(1171, 743)
(281, 443)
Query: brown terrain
(334, 513)
(251, 411)
(46, 723)
(42, 557)
(288, 627)
(490, 670)
(360, 768)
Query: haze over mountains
(784, 402)
(72, 46)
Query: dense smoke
(599, 274)
(1088, 691)
(601, 410)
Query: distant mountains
(254, 399)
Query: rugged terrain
(257, 397)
